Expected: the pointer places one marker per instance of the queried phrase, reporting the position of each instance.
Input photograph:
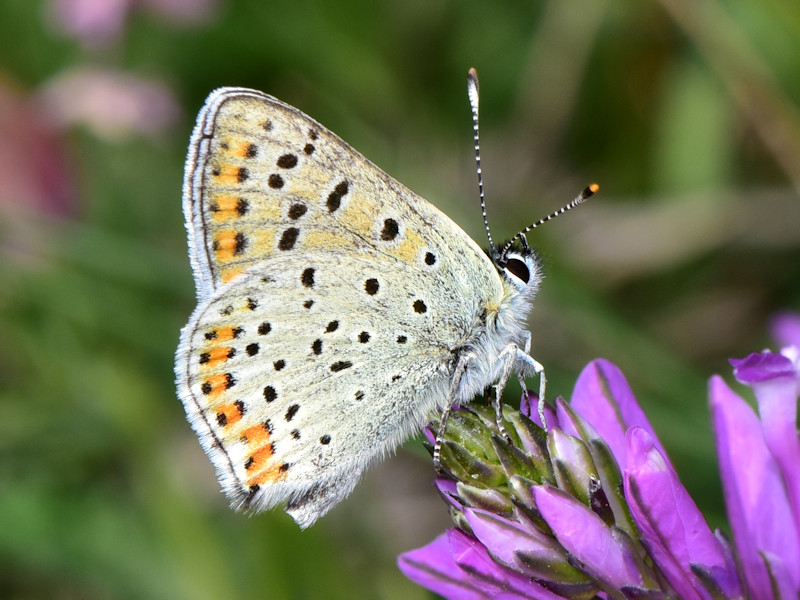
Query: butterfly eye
(518, 269)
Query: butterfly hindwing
(299, 373)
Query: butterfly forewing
(265, 179)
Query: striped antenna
(472, 92)
(587, 193)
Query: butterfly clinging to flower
(336, 309)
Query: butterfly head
(519, 270)
(518, 266)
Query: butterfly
(336, 309)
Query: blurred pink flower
(35, 170)
(113, 104)
(97, 22)
(94, 22)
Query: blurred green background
(685, 111)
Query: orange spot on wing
(228, 175)
(225, 244)
(218, 384)
(230, 274)
(226, 333)
(242, 148)
(259, 459)
(217, 355)
(237, 147)
(227, 208)
(256, 436)
(232, 414)
(268, 475)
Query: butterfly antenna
(587, 193)
(472, 91)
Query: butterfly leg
(520, 377)
(509, 357)
(527, 364)
(537, 368)
(458, 373)
(498, 412)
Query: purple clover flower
(594, 508)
